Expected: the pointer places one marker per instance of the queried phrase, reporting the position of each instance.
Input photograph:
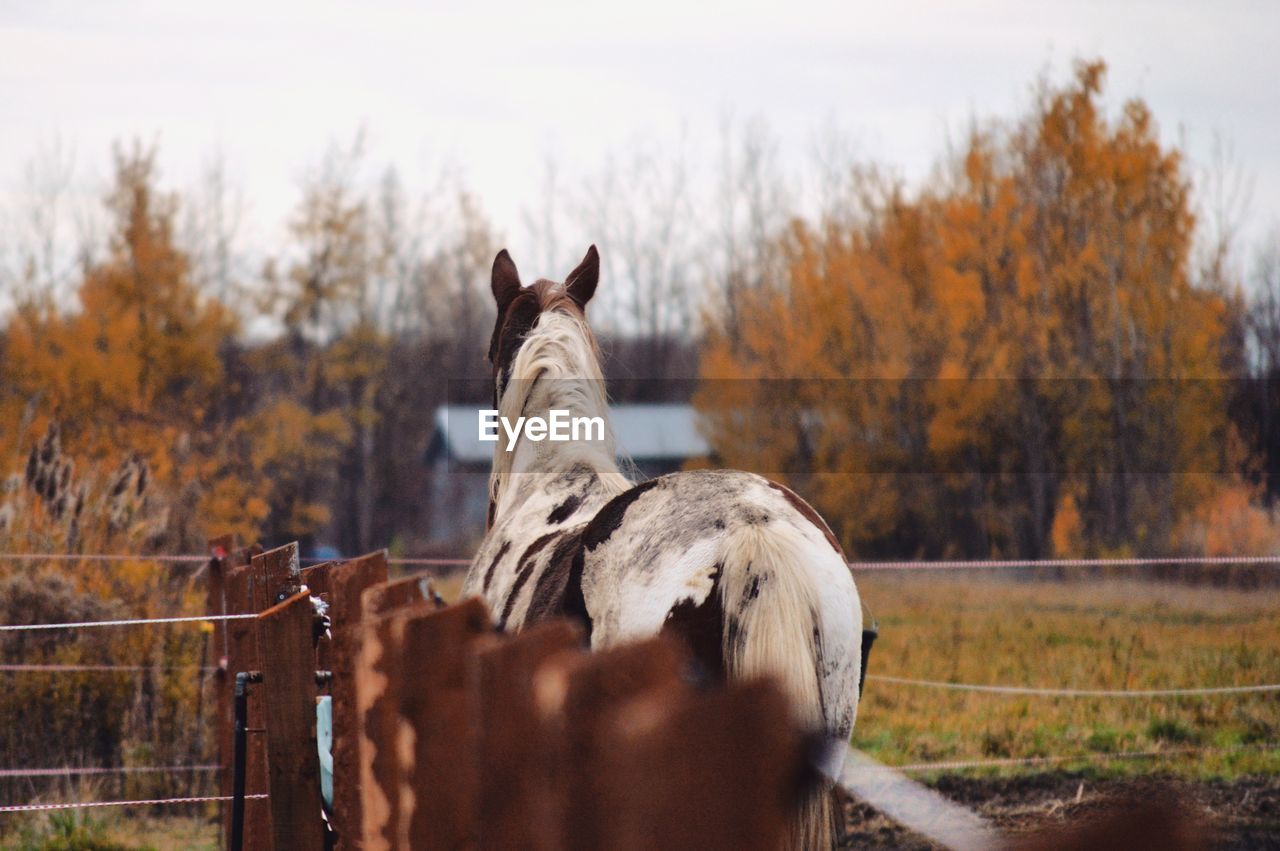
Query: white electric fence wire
(148, 802)
(963, 564)
(889, 790)
(940, 564)
(129, 622)
(1035, 691)
(98, 770)
(914, 805)
(78, 669)
(1118, 756)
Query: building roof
(643, 432)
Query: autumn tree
(1020, 344)
(1259, 408)
(132, 369)
(381, 302)
(113, 441)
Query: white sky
(494, 87)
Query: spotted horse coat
(741, 568)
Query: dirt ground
(1059, 810)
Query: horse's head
(519, 307)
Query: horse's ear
(505, 280)
(581, 283)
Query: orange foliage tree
(1023, 339)
(114, 440)
(132, 375)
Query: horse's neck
(556, 370)
(543, 474)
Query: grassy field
(111, 830)
(1086, 634)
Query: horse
(739, 567)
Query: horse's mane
(558, 366)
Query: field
(1208, 758)
(1242, 814)
(1087, 634)
(1081, 634)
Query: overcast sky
(493, 88)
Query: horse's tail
(772, 595)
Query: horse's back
(697, 552)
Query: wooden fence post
(318, 580)
(347, 582)
(218, 684)
(378, 681)
(288, 698)
(578, 695)
(221, 554)
(438, 770)
(275, 576)
(515, 804)
(242, 655)
(720, 769)
(386, 598)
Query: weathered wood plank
(578, 696)
(242, 655)
(318, 579)
(515, 807)
(275, 576)
(438, 772)
(720, 769)
(217, 687)
(389, 596)
(377, 680)
(287, 695)
(347, 582)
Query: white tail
(772, 613)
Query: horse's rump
(751, 578)
(705, 554)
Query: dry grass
(166, 834)
(1083, 633)
(1091, 634)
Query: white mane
(556, 367)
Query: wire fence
(144, 802)
(1026, 691)
(904, 564)
(95, 770)
(55, 668)
(1093, 757)
(1004, 564)
(201, 559)
(922, 767)
(910, 768)
(1036, 691)
(20, 627)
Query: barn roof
(644, 433)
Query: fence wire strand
(94, 770)
(1118, 756)
(18, 627)
(146, 802)
(938, 564)
(77, 669)
(1035, 691)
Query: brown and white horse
(740, 567)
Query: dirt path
(1238, 814)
